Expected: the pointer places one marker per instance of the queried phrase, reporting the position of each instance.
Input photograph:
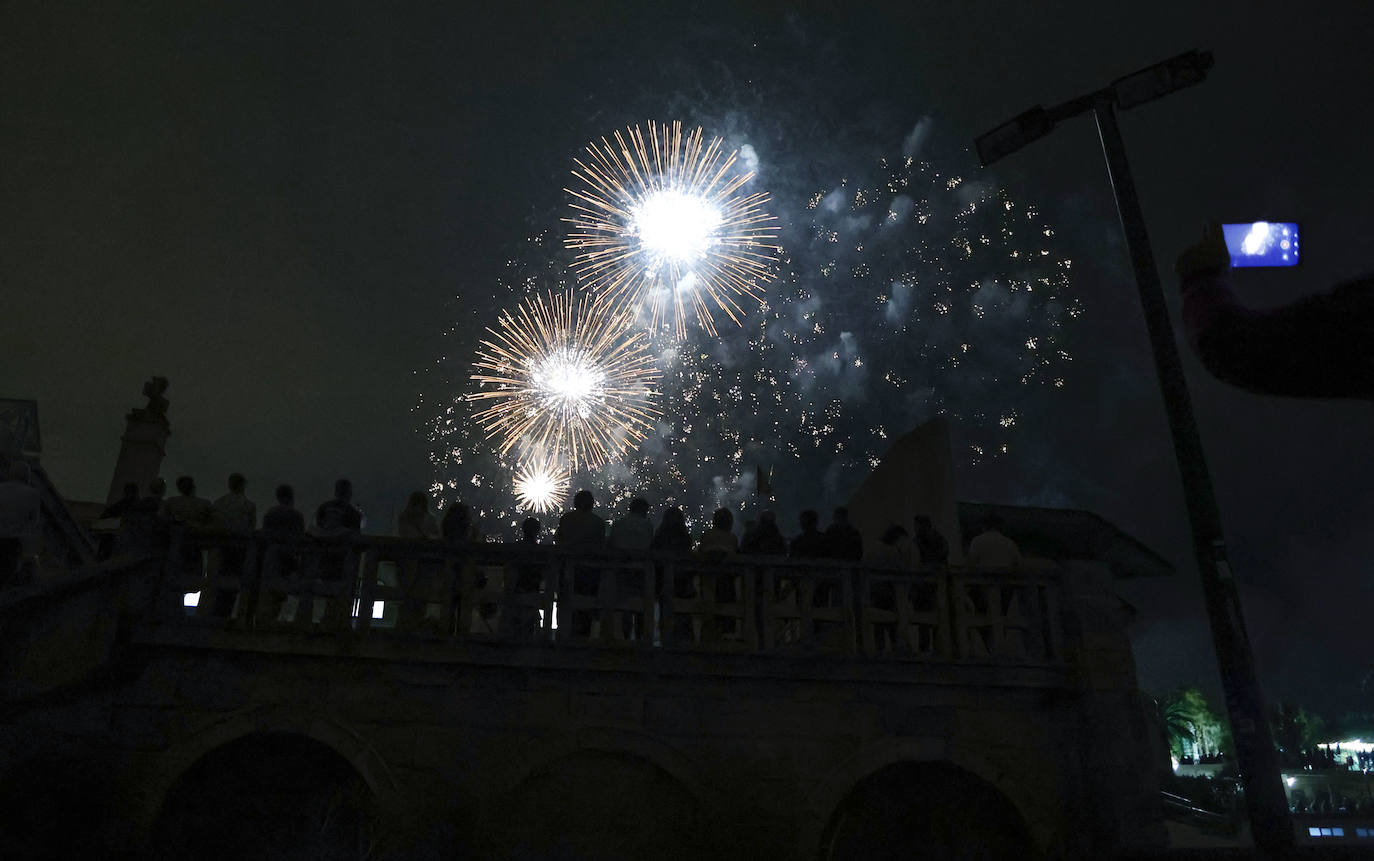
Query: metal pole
(1255, 755)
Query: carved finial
(152, 390)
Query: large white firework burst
(566, 377)
(662, 223)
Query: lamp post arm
(1080, 105)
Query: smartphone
(1262, 243)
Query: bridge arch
(599, 792)
(159, 780)
(268, 794)
(912, 768)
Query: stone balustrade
(381, 587)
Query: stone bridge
(237, 697)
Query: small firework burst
(663, 224)
(566, 377)
(541, 483)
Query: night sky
(283, 210)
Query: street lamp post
(1255, 755)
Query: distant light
(1292, 780)
(378, 607)
(1174, 761)
(191, 599)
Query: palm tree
(1173, 716)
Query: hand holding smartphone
(1262, 243)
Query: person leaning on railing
(672, 535)
(416, 520)
(529, 580)
(582, 531)
(991, 548)
(932, 547)
(811, 543)
(893, 554)
(281, 523)
(337, 522)
(672, 538)
(765, 539)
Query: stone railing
(503, 593)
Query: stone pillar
(144, 443)
(1115, 748)
(916, 476)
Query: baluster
(367, 589)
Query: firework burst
(567, 378)
(662, 223)
(541, 484)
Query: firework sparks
(960, 305)
(541, 484)
(663, 223)
(568, 378)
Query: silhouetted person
(932, 547)
(719, 542)
(415, 520)
(339, 517)
(20, 513)
(283, 518)
(186, 508)
(144, 529)
(581, 529)
(457, 527)
(843, 539)
(529, 532)
(672, 538)
(672, 535)
(153, 502)
(284, 521)
(765, 539)
(234, 512)
(992, 549)
(811, 543)
(635, 531)
(1320, 346)
(893, 551)
(529, 580)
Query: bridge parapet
(378, 588)
(771, 691)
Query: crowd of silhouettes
(580, 529)
(144, 520)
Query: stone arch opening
(268, 795)
(595, 804)
(933, 810)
